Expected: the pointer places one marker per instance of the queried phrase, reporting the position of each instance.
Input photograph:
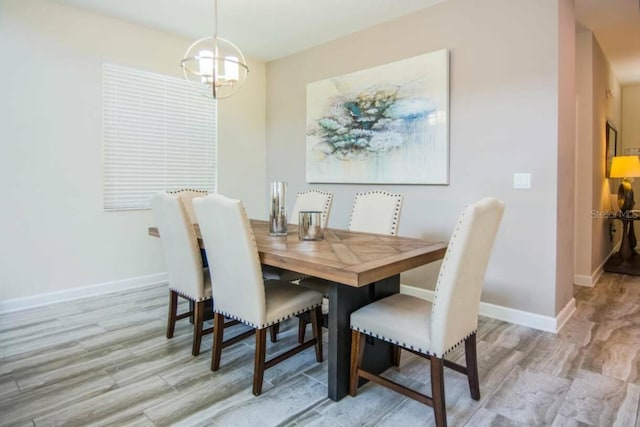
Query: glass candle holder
(277, 213)
(310, 225)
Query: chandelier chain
(215, 19)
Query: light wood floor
(106, 361)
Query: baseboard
(532, 320)
(584, 280)
(511, 315)
(15, 304)
(565, 314)
(590, 281)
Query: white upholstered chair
(376, 212)
(373, 212)
(187, 195)
(310, 200)
(433, 329)
(239, 291)
(187, 278)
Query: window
(159, 134)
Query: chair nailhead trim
(443, 266)
(186, 190)
(410, 347)
(265, 325)
(396, 212)
(189, 297)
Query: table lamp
(625, 167)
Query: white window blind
(159, 134)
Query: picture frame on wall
(387, 124)
(611, 138)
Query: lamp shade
(625, 167)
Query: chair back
(180, 244)
(459, 287)
(187, 196)
(376, 212)
(312, 200)
(236, 278)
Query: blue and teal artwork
(384, 125)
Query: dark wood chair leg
(259, 365)
(437, 391)
(302, 326)
(471, 356)
(357, 352)
(273, 332)
(173, 312)
(316, 327)
(218, 335)
(198, 321)
(396, 355)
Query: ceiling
(263, 29)
(616, 25)
(270, 29)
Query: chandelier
(216, 62)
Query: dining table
(359, 268)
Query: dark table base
(344, 300)
(615, 264)
(626, 260)
(378, 355)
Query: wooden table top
(351, 258)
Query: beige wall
(604, 109)
(595, 108)
(566, 153)
(584, 156)
(55, 234)
(629, 130)
(505, 104)
(242, 146)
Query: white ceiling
(263, 29)
(270, 29)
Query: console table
(626, 260)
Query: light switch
(521, 180)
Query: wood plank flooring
(106, 361)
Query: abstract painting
(383, 125)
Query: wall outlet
(521, 180)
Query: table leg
(625, 245)
(626, 260)
(343, 300)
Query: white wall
(505, 74)
(54, 234)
